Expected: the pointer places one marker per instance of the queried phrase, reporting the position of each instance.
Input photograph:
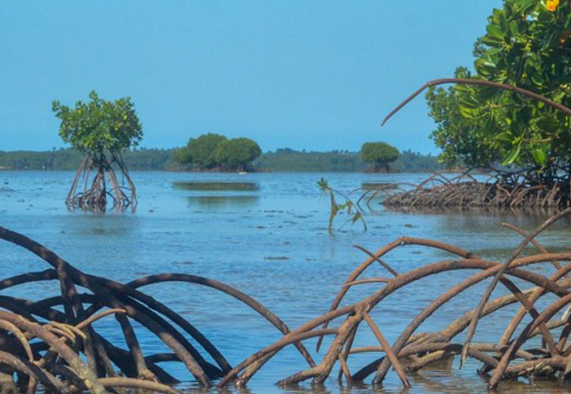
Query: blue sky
(315, 75)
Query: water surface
(267, 235)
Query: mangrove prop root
(527, 188)
(506, 359)
(53, 343)
(103, 186)
(512, 190)
(70, 336)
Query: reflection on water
(100, 225)
(220, 195)
(266, 234)
(378, 185)
(217, 186)
(215, 202)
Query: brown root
(60, 350)
(103, 187)
(501, 191)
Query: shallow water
(270, 240)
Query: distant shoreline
(281, 160)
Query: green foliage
(63, 159)
(236, 153)
(282, 160)
(290, 160)
(150, 159)
(99, 125)
(463, 140)
(216, 151)
(71, 159)
(379, 154)
(528, 46)
(410, 161)
(200, 151)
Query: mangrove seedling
(353, 211)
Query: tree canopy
(210, 151)
(100, 129)
(379, 154)
(237, 153)
(200, 151)
(526, 45)
(99, 125)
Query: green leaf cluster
(200, 151)
(211, 150)
(237, 153)
(527, 46)
(99, 125)
(380, 154)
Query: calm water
(268, 237)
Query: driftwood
(62, 352)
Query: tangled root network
(52, 345)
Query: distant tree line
(70, 159)
(281, 160)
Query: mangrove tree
(100, 129)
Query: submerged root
(61, 351)
(53, 344)
(414, 351)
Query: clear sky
(315, 75)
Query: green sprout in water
(352, 210)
